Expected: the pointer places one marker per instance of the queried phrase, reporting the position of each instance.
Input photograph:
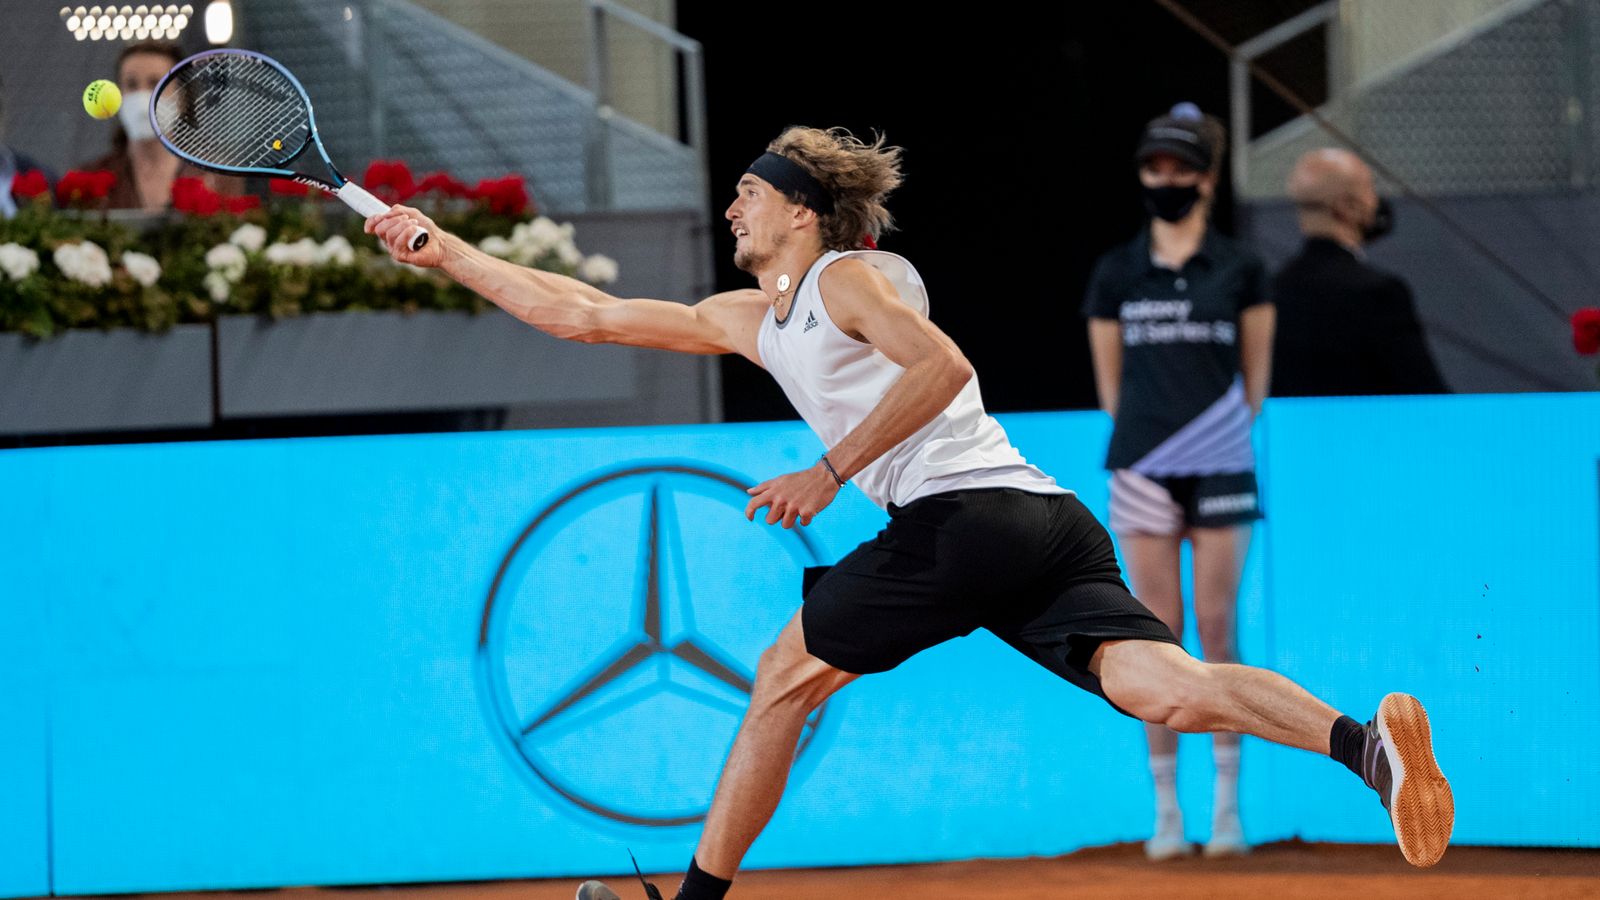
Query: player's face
(757, 217)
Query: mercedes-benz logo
(631, 603)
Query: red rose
(101, 183)
(506, 196)
(29, 184)
(183, 192)
(389, 181)
(208, 203)
(1586, 331)
(240, 205)
(190, 195)
(76, 188)
(443, 183)
(288, 188)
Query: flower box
(380, 362)
(106, 381)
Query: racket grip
(361, 200)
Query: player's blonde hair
(858, 175)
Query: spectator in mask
(1345, 327)
(144, 168)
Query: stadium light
(219, 22)
(135, 23)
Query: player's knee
(772, 667)
(1146, 707)
(1170, 688)
(1195, 689)
(785, 681)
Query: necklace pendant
(783, 284)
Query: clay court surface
(1285, 871)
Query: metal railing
(1456, 97)
(598, 153)
(1241, 117)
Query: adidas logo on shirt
(811, 322)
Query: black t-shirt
(1181, 407)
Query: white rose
(227, 259)
(85, 262)
(545, 231)
(144, 269)
(306, 252)
(97, 265)
(568, 253)
(17, 261)
(66, 259)
(218, 286)
(303, 252)
(494, 245)
(250, 238)
(598, 269)
(532, 240)
(568, 230)
(524, 247)
(336, 250)
(225, 256)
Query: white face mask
(135, 116)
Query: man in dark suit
(1344, 326)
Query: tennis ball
(102, 99)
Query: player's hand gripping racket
(240, 113)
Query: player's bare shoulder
(854, 277)
(854, 291)
(738, 315)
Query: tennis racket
(237, 112)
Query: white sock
(1226, 799)
(1164, 769)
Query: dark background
(1018, 129)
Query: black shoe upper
(1375, 769)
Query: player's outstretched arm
(570, 309)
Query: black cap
(1178, 134)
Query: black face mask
(1382, 222)
(1169, 202)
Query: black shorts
(1035, 569)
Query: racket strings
(245, 106)
(234, 111)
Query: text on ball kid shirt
(1181, 407)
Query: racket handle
(361, 200)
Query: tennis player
(977, 537)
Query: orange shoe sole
(1422, 808)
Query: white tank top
(834, 380)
